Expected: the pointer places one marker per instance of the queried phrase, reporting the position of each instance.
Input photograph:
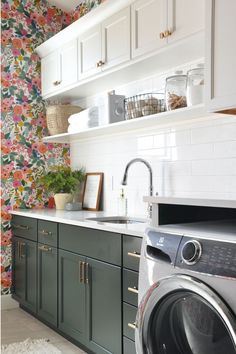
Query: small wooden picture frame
(92, 191)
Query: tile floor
(17, 325)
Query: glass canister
(175, 92)
(195, 85)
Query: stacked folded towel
(88, 118)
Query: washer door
(181, 315)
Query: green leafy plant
(61, 179)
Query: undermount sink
(118, 220)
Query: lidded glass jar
(175, 92)
(195, 85)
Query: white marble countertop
(79, 218)
(218, 203)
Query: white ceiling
(66, 5)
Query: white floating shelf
(153, 121)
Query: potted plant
(62, 182)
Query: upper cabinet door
(68, 61)
(50, 66)
(149, 20)
(116, 39)
(220, 55)
(90, 52)
(185, 18)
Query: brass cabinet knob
(56, 83)
(100, 63)
(162, 35)
(167, 34)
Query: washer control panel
(207, 256)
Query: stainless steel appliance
(187, 289)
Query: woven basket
(57, 118)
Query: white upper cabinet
(116, 39)
(59, 69)
(68, 61)
(221, 55)
(105, 45)
(90, 49)
(50, 72)
(185, 18)
(121, 41)
(155, 23)
(148, 21)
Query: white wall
(195, 159)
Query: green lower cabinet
(128, 346)
(104, 307)
(72, 296)
(25, 272)
(47, 283)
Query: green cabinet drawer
(101, 245)
(130, 287)
(128, 346)
(47, 232)
(129, 317)
(131, 252)
(24, 227)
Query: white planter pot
(61, 199)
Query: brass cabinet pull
(134, 254)
(133, 290)
(45, 248)
(86, 273)
(100, 63)
(20, 227)
(22, 244)
(18, 249)
(45, 233)
(167, 34)
(82, 272)
(81, 279)
(132, 325)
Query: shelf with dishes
(181, 115)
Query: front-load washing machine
(187, 290)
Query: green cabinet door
(18, 270)
(72, 295)
(25, 272)
(47, 283)
(31, 275)
(103, 307)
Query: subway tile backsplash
(194, 159)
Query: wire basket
(144, 105)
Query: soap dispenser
(122, 203)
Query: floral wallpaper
(86, 6)
(25, 25)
